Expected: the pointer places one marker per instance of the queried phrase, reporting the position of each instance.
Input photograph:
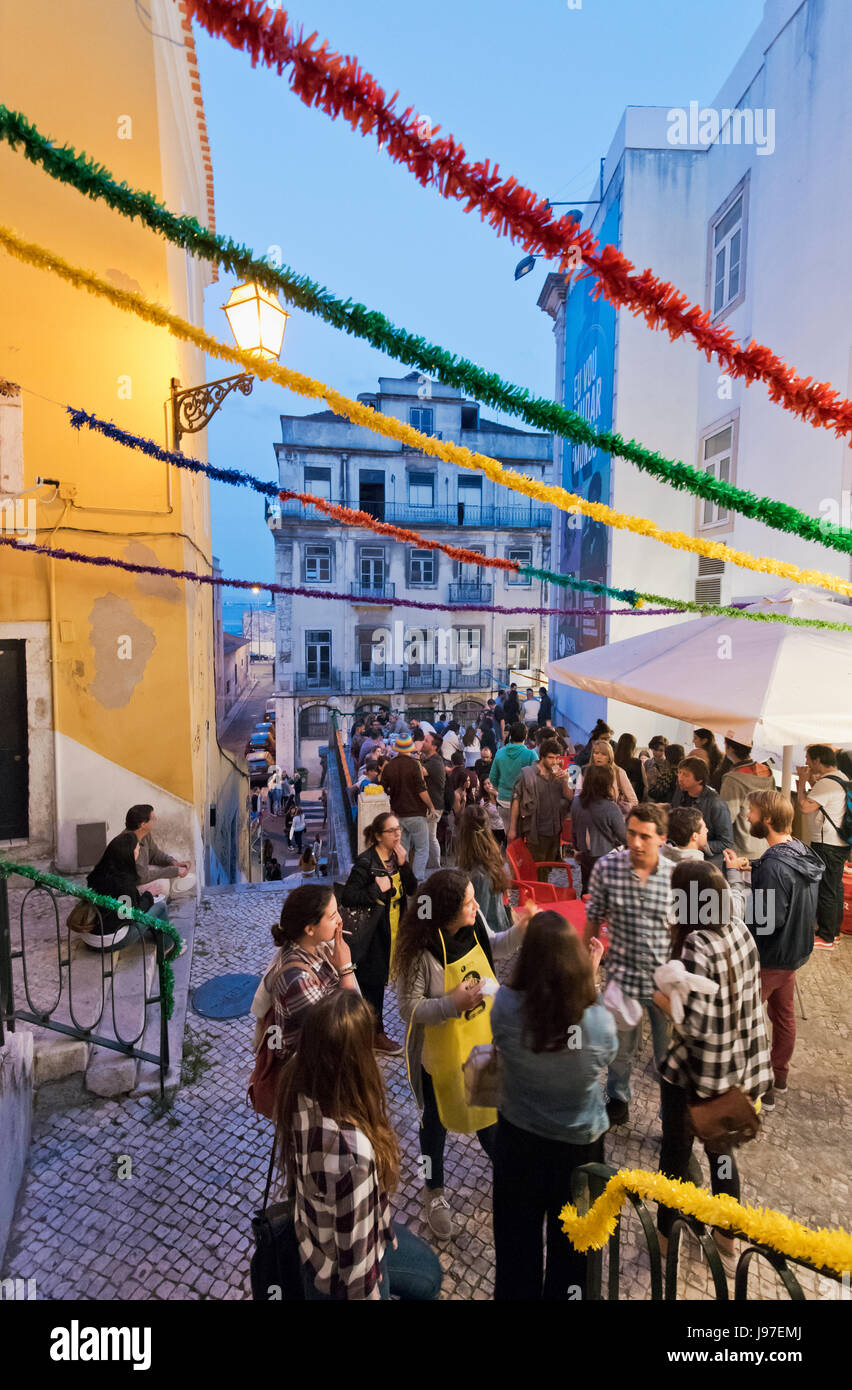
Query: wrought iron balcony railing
(384, 590)
(520, 516)
(424, 678)
(462, 678)
(377, 678)
(326, 678)
(469, 591)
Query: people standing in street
(554, 1039)
(471, 746)
(541, 799)
(444, 956)
(630, 890)
(822, 792)
(382, 874)
(599, 732)
(507, 766)
(512, 706)
(545, 709)
(530, 710)
(720, 1042)
(480, 857)
(706, 740)
(631, 766)
(658, 770)
(621, 788)
(336, 1143)
(297, 829)
(784, 885)
(435, 772)
(687, 835)
(692, 790)
(743, 777)
(297, 787)
(404, 781)
(597, 823)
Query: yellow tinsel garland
(387, 425)
(827, 1249)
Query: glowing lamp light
(257, 320)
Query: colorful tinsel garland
(96, 182)
(351, 517)
(386, 425)
(339, 86)
(299, 591)
(76, 890)
(824, 1249)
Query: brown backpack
(262, 1092)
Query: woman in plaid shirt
(722, 1040)
(341, 1154)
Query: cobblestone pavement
(178, 1226)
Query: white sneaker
(438, 1214)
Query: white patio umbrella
(765, 684)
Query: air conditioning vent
(708, 591)
(707, 566)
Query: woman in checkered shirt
(722, 1040)
(338, 1147)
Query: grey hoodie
(737, 787)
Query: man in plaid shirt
(630, 890)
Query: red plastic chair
(525, 868)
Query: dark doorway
(371, 492)
(14, 758)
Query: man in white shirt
(822, 790)
(530, 710)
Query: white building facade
(746, 206)
(369, 651)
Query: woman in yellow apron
(381, 875)
(444, 954)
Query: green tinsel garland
(64, 885)
(95, 181)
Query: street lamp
(528, 263)
(257, 322)
(255, 590)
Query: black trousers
(433, 1136)
(830, 893)
(587, 862)
(677, 1147)
(373, 970)
(532, 1183)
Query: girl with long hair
(338, 1148)
(626, 759)
(597, 823)
(382, 874)
(554, 1039)
(479, 855)
(444, 955)
(705, 740)
(471, 746)
(621, 792)
(721, 1041)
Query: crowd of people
(700, 907)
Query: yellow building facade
(106, 678)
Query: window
(518, 650)
(469, 572)
(718, 456)
(371, 492)
(470, 417)
(470, 501)
(372, 567)
(520, 557)
(421, 489)
(421, 417)
(726, 268)
(318, 481)
(318, 655)
(422, 568)
(469, 648)
(317, 564)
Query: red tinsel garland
(340, 87)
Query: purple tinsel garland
(58, 553)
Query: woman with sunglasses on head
(443, 963)
(382, 874)
(554, 1038)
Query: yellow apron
(447, 1045)
(396, 899)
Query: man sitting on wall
(153, 863)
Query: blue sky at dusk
(540, 88)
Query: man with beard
(785, 885)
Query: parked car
(259, 763)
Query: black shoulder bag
(276, 1267)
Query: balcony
(377, 678)
(519, 516)
(424, 678)
(375, 593)
(468, 591)
(461, 678)
(413, 449)
(324, 679)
